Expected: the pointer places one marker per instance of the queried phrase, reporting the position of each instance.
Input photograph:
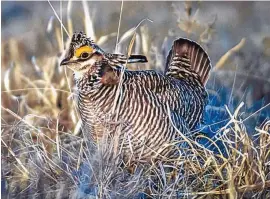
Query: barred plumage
(146, 126)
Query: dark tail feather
(121, 59)
(187, 55)
(137, 59)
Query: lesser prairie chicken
(152, 107)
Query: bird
(153, 109)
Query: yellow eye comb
(82, 49)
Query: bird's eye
(85, 55)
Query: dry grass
(45, 154)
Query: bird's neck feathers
(78, 75)
(93, 78)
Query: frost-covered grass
(35, 163)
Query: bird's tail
(187, 56)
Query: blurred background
(236, 36)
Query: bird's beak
(64, 62)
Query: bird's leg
(131, 168)
(172, 175)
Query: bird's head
(82, 55)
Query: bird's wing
(179, 122)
